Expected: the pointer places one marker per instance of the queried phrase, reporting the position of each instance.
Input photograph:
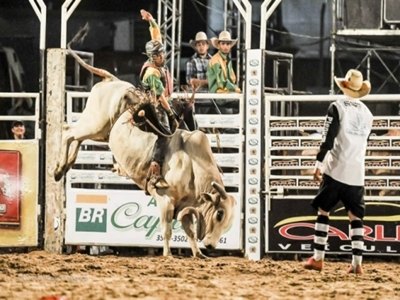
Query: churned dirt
(40, 275)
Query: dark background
(300, 27)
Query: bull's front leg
(185, 216)
(167, 214)
(188, 227)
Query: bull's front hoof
(167, 253)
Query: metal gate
(291, 145)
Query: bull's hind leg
(73, 153)
(61, 166)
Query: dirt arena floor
(39, 275)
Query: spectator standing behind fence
(196, 67)
(220, 74)
(18, 130)
(344, 143)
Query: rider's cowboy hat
(200, 36)
(224, 36)
(353, 85)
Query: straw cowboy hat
(224, 36)
(353, 85)
(200, 36)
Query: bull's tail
(96, 71)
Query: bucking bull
(196, 195)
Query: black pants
(159, 150)
(332, 191)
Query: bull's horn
(141, 113)
(220, 189)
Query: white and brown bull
(195, 183)
(107, 100)
(196, 188)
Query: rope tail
(78, 38)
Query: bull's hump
(196, 137)
(112, 84)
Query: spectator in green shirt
(220, 74)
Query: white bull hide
(106, 102)
(196, 187)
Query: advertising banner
(10, 180)
(290, 226)
(127, 218)
(18, 193)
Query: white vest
(345, 161)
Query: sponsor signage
(10, 191)
(128, 218)
(291, 227)
(19, 193)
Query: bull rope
(152, 126)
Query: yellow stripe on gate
(85, 198)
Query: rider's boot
(156, 179)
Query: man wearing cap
(220, 74)
(18, 130)
(196, 67)
(156, 78)
(341, 161)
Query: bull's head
(214, 216)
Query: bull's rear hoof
(57, 177)
(201, 256)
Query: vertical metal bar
(245, 10)
(65, 14)
(333, 46)
(170, 21)
(254, 97)
(179, 44)
(173, 39)
(42, 15)
(40, 110)
(265, 14)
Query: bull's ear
(213, 198)
(206, 197)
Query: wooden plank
(55, 195)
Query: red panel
(10, 187)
